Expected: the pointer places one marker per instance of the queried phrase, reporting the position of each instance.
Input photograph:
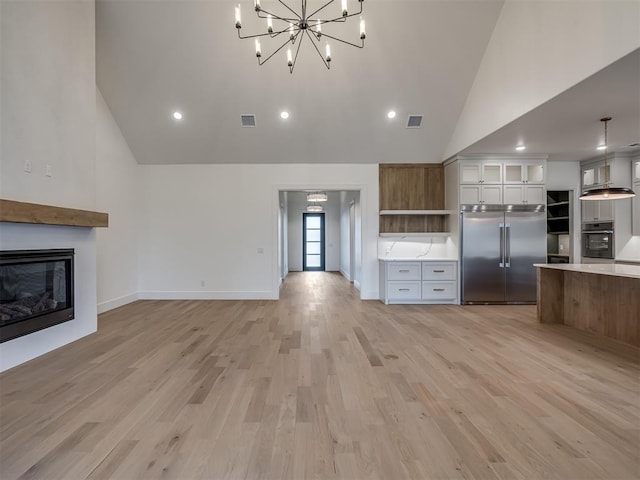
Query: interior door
(313, 242)
(525, 245)
(482, 247)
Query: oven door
(597, 244)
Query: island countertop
(612, 269)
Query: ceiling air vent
(415, 121)
(248, 120)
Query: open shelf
(558, 218)
(23, 212)
(556, 204)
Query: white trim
(356, 284)
(211, 295)
(345, 274)
(117, 302)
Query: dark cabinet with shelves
(558, 226)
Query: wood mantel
(22, 212)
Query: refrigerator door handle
(502, 245)
(507, 242)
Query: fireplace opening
(36, 290)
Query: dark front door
(313, 241)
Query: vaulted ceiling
(420, 57)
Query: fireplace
(36, 290)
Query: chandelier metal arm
(341, 18)
(277, 17)
(326, 64)
(293, 64)
(291, 10)
(343, 41)
(257, 35)
(262, 62)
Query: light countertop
(416, 259)
(612, 269)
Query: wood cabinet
(412, 198)
(420, 281)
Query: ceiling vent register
(415, 121)
(248, 120)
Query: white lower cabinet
(423, 281)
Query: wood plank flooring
(321, 385)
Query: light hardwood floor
(322, 385)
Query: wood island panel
(23, 212)
(605, 305)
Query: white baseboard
(345, 274)
(187, 295)
(356, 284)
(117, 302)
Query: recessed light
(284, 115)
(521, 148)
(391, 114)
(177, 115)
(602, 147)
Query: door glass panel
(313, 248)
(313, 223)
(535, 173)
(313, 260)
(313, 235)
(470, 173)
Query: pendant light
(607, 192)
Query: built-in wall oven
(597, 240)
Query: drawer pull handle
(403, 271)
(403, 289)
(438, 271)
(438, 289)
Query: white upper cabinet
(635, 166)
(524, 194)
(481, 194)
(532, 172)
(480, 172)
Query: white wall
(47, 55)
(297, 205)
(48, 112)
(346, 255)
(116, 192)
(539, 49)
(206, 223)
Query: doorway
(313, 242)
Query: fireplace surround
(36, 290)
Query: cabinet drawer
(438, 290)
(403, 290)
(438, 271)
(404, 271)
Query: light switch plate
(49, 171)
(27, 166)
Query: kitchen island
(600, 298)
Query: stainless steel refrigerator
(500, 244)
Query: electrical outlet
(202, 283)
(49, 171)
(260, 250)
(27, 166)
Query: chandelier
(314, 208)
(316, 197)
(299, 25)
(607, 192)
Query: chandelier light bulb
(238, 18)
(289, 58)
(291, 34)
(363, 34)
(256, 5)
(344, 8)
(327, 53)
(319, 28)
(258, 49)
(269, 24)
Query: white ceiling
(420, 57)
(568, 126)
